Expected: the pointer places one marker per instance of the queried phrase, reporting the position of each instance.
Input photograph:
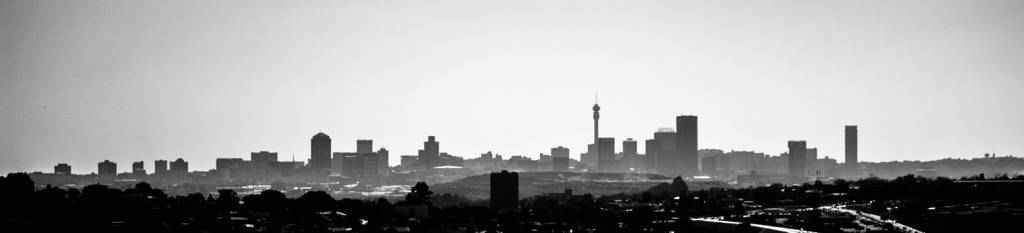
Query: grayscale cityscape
(746, 116)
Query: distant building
(709, 165)
(629, 155)
(811, 162)
(179, 166)
(668, 154)
(160, 166)
(107, 169)
(62, 168)
(320, 152)
(383, 158)
(138, 169)
(797, 160)
(431, 152)
(408, 161)
(606, 155)
(851, 149)
(224, 165)
(364, 146)
(560, 159)
(686, 143)
(651, 148)
(263, 157)
(504, 190)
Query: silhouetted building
(364, 146)
(797, 158)
(651, 149)
(383, 168)
(629, 155)
(160, 166)
(851, 149)
(107, 169)
(179, 166)
(320, 152)
(709, 165)
(138, 169)
(227, 166)
(559, 159)
(596, 150)
(606, 155)
(62, 168)
(504, 190)
(263, 157)
(431, 152)
(408, 161)
(338, 162)
(668, 155)
(686, 143)
(811, 162)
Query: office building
(606, 155)
(107, 169)
(686, 143)
(651, 148)
(160, 166)
(560, 159)
(851, 149)
(709, 165)
(628, 161)
(227, 163)
(811, 162)
(431, 152)
(138, 169)
(179, 166)
(62, 168)
(504, 190)
(364, 146)
(320, 152)
(797, 158)
(668, 154)
(383, 168)
(263, 157)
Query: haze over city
(130, 81)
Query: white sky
(147, 80)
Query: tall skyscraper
(179, 166)
(431, 150)
(668, 154)
(160, 166)
(686, 143)
(320, 152)
(382, 162)
(651, 148)
(797, 158)
(107, 169)
(364, 146)
(504, 190)
(851, 149)
(559, 159)
(62, 168)
(628, 162)
(138, 169)
(811, 162)
(606, 155)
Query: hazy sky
(84, 81)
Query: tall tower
(431, 152)
(797, 158)
(320, 152)
(597, 115)
(851, 149)
(686, 143)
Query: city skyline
(161, 81)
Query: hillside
(534, 183)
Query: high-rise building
(686, 143)
(107, 169)
(160, 166)
(382, 162)
(338, 162)
(138, 169)
(62, 168)
(263, 157)
(364, 146)
(668, 154)
(431, 151)
(797, 158)
(504, 190)
(811, 162)
(629, 157)
(559, 159)
(709, 165)
(851, 149)
(320, 152)
(227, 163)
(651, 148)
(606, 155)
(179, 166)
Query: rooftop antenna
(595, 97)
(293, 157)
